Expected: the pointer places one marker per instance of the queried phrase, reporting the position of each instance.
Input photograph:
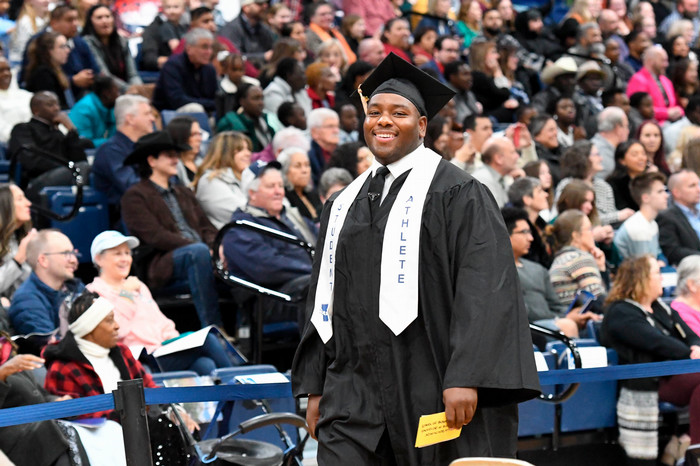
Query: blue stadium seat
(537, 417)
(202, 118)
(163, 376)
(593, 406)
(4, 171)
(92, 218)
(243, 410)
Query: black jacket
(180, 83)
(68, 147)
(677, 237)
(639, 337)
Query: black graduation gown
(471, 331)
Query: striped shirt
(573, 270)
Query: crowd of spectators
(585, 128)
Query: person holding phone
(578, 263)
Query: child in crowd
(348, 123)
(641, 109)
(639, 234)
(233, 67)
(171, 31)
(292, 114)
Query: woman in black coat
(643, 329)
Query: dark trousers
(334, 448)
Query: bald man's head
(655, 59)
(45, 105)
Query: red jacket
(70, 372)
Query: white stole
(398, 291)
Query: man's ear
(422, 125)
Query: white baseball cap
(110, 239)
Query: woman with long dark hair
(652, 138)
(630, 161)
(110, 50)
(185, 131)
(15, 233)
(46, 54)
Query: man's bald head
(608, 21)
(45, 105)
(371, 50)
(499, 153)
(655, 59)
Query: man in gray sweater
(543, 306)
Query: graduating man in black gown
(415, 305)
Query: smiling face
(270, 193)
(323, 16)
(393, 127)
(58, 259)
(115, 263)
(635, 160)
(241, 160)
(548, 135)
(165, 164)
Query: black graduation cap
(394, 75)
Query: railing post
(130, 403)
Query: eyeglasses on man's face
(66, 254)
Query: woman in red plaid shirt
(88, 360)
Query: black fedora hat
(153, 144)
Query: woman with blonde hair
(691, 156)
(217, 184)
(441, 19)
(32, 18)
(675, 158)
(331, 53)
(581, 11)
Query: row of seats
(593, 405)
(232, 413)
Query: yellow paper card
(433, 429)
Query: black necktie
(376, 188)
